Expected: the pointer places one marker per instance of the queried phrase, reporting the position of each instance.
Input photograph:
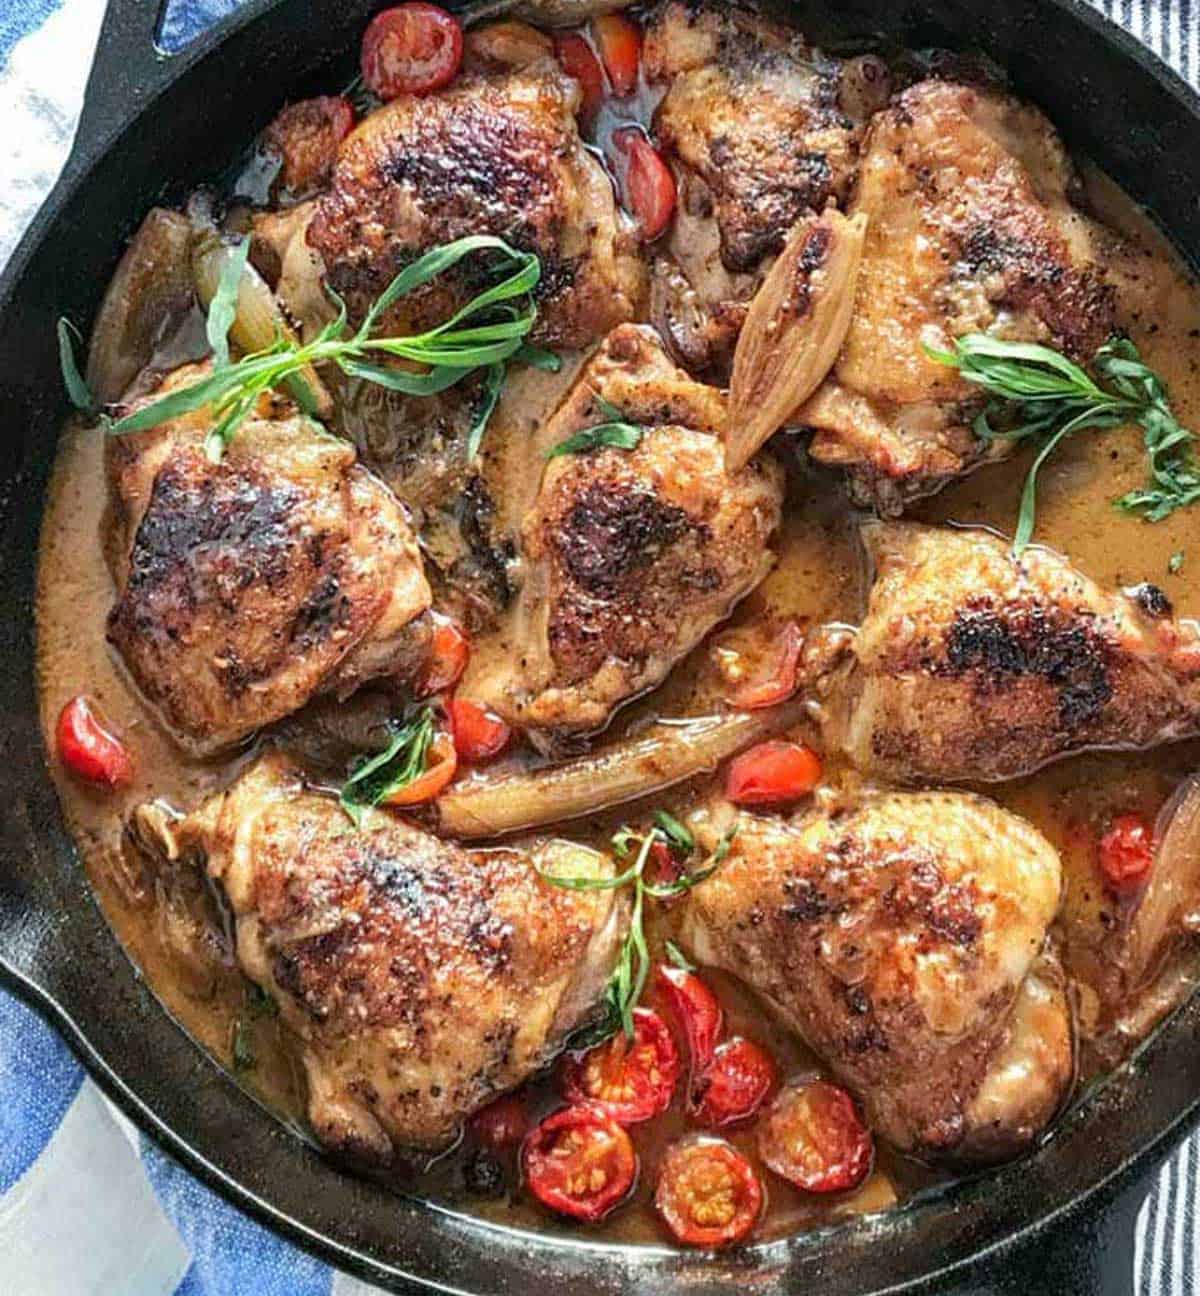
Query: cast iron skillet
(1059, 1221)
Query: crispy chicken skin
(422, 979)
(248, 586)
(632, 556)
(972, 227)
(490, 155)
(904, 941)
(973, 665)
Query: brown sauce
(170, 925)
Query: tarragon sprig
(485, 334)
(632, 968)
(1043, 396)
(402, 761)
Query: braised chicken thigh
(423, 979)
(975, 665)
(250, 585)
(496, 155)
(631, 556)
(973, 227)
(904, 940)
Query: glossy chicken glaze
(171, 925)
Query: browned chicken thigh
(248, 586)
(972, 664)
(498, 155)
(904, 940)
(631, 555)
(973, 226)
(421, 978)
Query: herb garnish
(617, 432)
(1175, 564)
(1044, 397)
(77, 389)
(633, 963)
(377, 777)
(677, 957)
(486, 333)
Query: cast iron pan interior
(153, 128)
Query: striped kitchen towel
(88, 1206)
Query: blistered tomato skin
(89, 749)
(411, 49)
(1127, 854)
(734, 1085)
(479, 734)
(773, 773)
(780, 684)
(579, 63)
(441, 767)
(619, 41)
(579, 1162)
(814, 1137)
(649, 186)
(696, 1009)
(630, 1081)
(708, 1193)
(502, 1124)
(449, 652)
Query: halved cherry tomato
(479, 734)
(619, 41)
(1127, 853)
(578, 61)
(305, 138)
(501, 1124)
(708, 1193)
(579, 1162)
(813, 1136)
(649, 186)
(662, 867)
(441, 766)
(781, 683)
(773, 773)
(630, 1082)
(448, 654)
(734, 1085)
(696, 1009)
(87, 748)
(411, 49)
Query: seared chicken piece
(904, 941)
(762, 128)
(423, 979)
(972, 227)
(490, 155)
(250, 585)
(631, 556)
(973, 665)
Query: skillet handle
(1086, 1251)
(128, 71)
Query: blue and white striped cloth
(88, 1206)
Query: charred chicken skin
(904, 941)
(632, 555)
(973, 227)
(974, 665)
(248, 586)
(422, 979)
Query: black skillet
(1060, 1221)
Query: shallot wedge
(794, 330)
(670, 753)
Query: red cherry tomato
(708, 1193)
(696, 1009)
(1127, 853)
(441, 766)
(813, 1136)
(662, 867)
(773, 773)
(479, 734)
(501, 1124)
(649, 186)
(448, 655)
(734, 1085)
(411, 49)
(579, 1162)
(87, 748)
(781, 683)
(629, 1082)
(619, 41)
(578, 61)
